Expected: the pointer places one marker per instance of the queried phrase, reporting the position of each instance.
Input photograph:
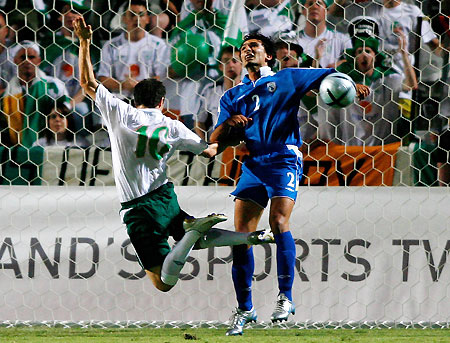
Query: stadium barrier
(364, 255)
(332, 165)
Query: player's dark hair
(149, 93)
(290, 46)
(268, 44)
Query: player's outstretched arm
(87, 77)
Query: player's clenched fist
(82, 30)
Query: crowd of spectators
(181, 42)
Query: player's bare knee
(279, 223)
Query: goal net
(366, 256)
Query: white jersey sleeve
(111, 108)
(185, 139)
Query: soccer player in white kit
(142, 139)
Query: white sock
(175, 260)
(220, 238)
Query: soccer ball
(337, 90)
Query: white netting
(396, 137)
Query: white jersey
(271, 21)
(142, 140)
(370, 121)
(336, 44)
(7, 69)
(209, 102)
(406, 16)
(67, 70)
(145, 58)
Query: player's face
(27, 61)
(253, 53)
(57, 122)
(365, 59)
(232, 66)
(315, 11)
(288, 59)
(136, 17)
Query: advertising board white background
(363, 254)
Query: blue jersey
(272, 102)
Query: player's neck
(315, 30)
(254, 72)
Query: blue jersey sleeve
(306, 79)
(225, 109)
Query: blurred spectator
(172, 8)
(342, 12)
(28, 96)
(231, 67)
(134, 55)
(61, 61)
(60, 130)
(324, 45)
(7, 68)
(291, 55)
(272, 18)
(369, 121)
(394, 15)
(159, 20)
(204, 19)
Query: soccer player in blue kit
(262, 111)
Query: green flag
(236, 26)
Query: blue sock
(242, 272)
(285, 262)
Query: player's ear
(269, 58)
(161, 103)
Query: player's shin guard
(175, 260)
(242, 272)
(285, 262)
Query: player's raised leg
(175, 260)
(219, 238)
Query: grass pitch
(54, 335)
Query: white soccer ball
(338, 90)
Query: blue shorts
(276, 174)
